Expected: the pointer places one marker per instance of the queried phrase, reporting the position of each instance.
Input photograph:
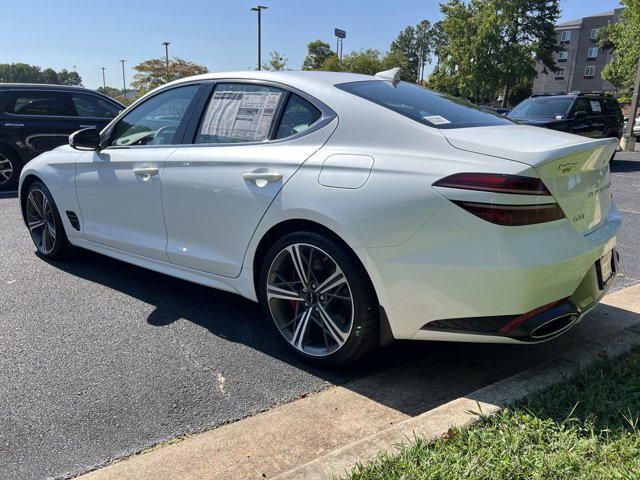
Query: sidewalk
(325, 434)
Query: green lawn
(587, 427)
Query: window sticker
(595, 106)
(436, 119)
(241, 115)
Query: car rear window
(543, 107)
(423, 105)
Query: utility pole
(104, 83)
(124, 85)
(628, 141)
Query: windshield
(545, 107)
(423, 105)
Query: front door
(119, 187)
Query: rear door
(39, 119)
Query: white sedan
(355, 209)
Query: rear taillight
(493, 182)
(503, 213)
(513, 215)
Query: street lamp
(104, 83)
(124, 85)
(259, 9)
(166, 52)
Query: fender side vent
(73, 218)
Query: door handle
(146, 172)
(14, 124)
(87, 126)
(262, 178)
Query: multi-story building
(581, 62)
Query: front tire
(44, 222)
(319, 299)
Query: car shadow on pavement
(410, 377)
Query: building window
(589, 71)
(560, 74)
(592, 53)
(565, 37)
(594, 33)
(563, 55)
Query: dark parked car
(590, 115)
(37, 118)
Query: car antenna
(393, 75)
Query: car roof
(44, 86)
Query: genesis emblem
(566, 167)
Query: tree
(624, 37)
(415, 44)
(332, 64)
(366, 61)
(493, 45)
(154, 72)
(317, 53)
(109, 91)
(276, 62)
(69, 78)
(23, 73)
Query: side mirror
(581, 115)
(86, 139)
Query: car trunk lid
(574, 169)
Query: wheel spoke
(331, 328)
(282, 294)
(332, 282)
(299, 333)
(298, 263)
(36, 224)
(35, 205)
(51, 230)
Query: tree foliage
(624, 37)
(277, 61)
(317, 53)
(490, 46)
(109, 91)
(154, 72)
(24, 73)
(415, 44)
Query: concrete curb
(326, 434)
(463, 411)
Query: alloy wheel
(6, 169)
(41, 221)
(310, 300)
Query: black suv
(591, 115)
(37, 118)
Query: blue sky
(219, 34)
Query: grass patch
(587, 427)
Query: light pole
(124, 85)
(166, 53)
(104, 83)
(259, 9)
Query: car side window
(38, 103)
(582, 105)
(298, 115)
(156, 120)
(92, 106)
(239, 113)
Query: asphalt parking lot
(101, 359)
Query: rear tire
(9, 168)
(319, 299)
(44, 222)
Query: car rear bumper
(446, 285)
